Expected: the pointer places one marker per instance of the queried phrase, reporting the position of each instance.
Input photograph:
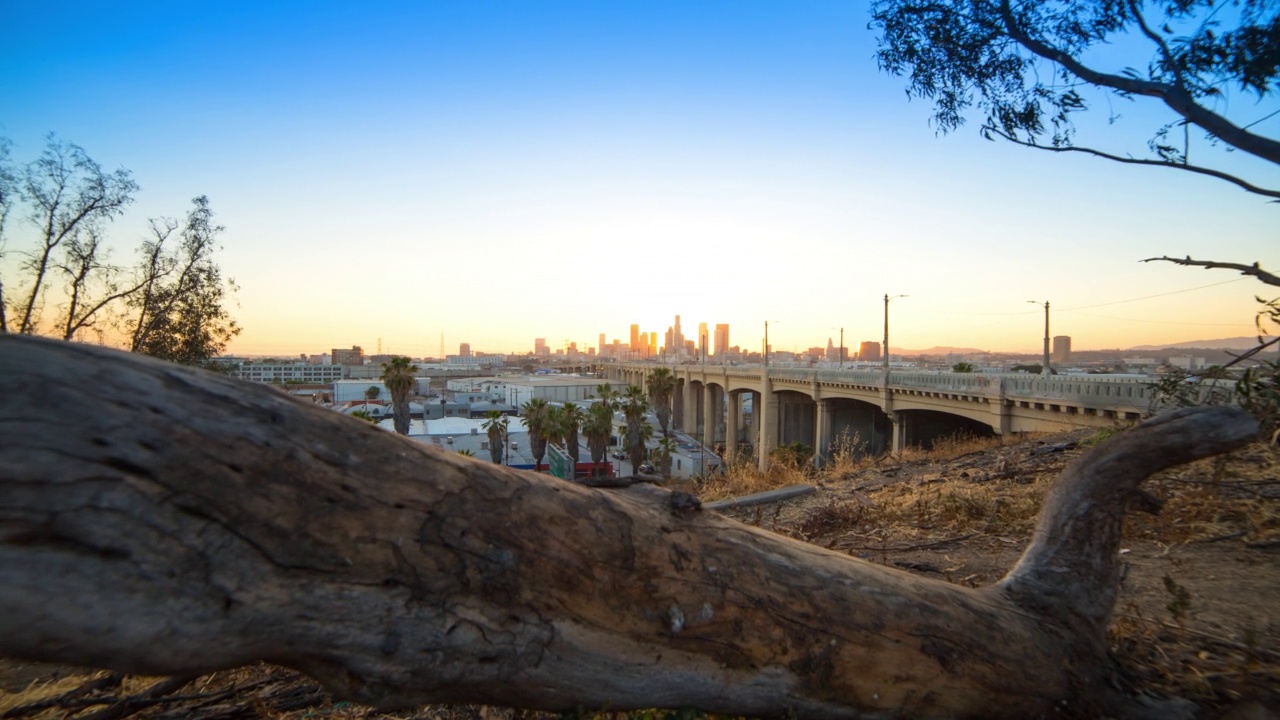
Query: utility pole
(1045, 369)
(886, 328)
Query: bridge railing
(1117, 393)
(1096, 391)
(963, 382)
(860, 377)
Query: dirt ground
(1198, 615)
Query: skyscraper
(722, 339)
(704, 342)
(540, 346)
(635, 338)
(600, 346)
(677, 336)
(1061, 348)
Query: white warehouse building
(298, 372)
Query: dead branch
(1252, 270)
(164, 520)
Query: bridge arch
(797, 417)
(925, 428)
(979, 412)
(857, 426)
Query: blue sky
(502, 171)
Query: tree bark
(164, 520)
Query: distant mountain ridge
(940, 350)
(1232, 343)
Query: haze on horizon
(496, 172)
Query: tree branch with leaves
(1023, 67)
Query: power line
(1148, 297)
(1166, 322)
(1084, 307)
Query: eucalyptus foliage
(1028, 69)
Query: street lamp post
(1045, 369)
(841, 347)
(766, 347)
(886, 328)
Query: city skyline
(501, 172)
(865, 350)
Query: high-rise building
(722, 339)
(464, 350)
(540, 347)
(869, 351)
(653, 344)
(704, 342)
(677, 336)
(600, 345)
(635, 338)
(354, 356)
(1061, 348)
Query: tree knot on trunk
(684, 504)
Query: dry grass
(1166, 659)
(1224, 498)
(912, 511)
(745, 479)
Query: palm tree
(634, 407)
(535, 420)
(608, 396)
(555, 424)
(662, 385)
(641, 449)
(666, 446)
(571, 418)
(598, 426)
(495, 426)
(397, 375)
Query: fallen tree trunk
(156, 519)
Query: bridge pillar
(690, 414)
(731, 427)
(677, 406)
(768, 422)
(822, 433)
(753, 428)
(708, 414)
(899, 439)
(1001, 410)
(717, 415)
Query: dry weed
(745, 479)
(1233, 497)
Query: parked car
(646, 468)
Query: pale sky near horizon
(500, 171)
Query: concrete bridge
(877, 411)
